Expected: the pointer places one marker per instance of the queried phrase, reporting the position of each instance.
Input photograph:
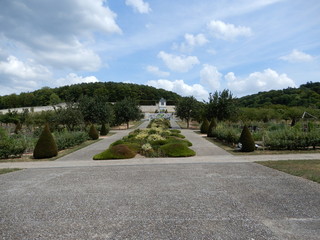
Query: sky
(191, 47)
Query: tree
(246, 140)
(46, 146)
(221, 105)
(95, 110)
(187, 108)
(212, 125)
(70, 116)
(126, 110)
(204, 126)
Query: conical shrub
(46, 146)
(93, 133)
(246, 140)
(204, 126)
(212, 126)
(104, 130)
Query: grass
(308, 169)
(8, 170)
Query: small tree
(104, 130)
(246, 140)
(213, 125)
(46, 146)
(204, 126)
(187, 108)
(93, 133)
(127, 110)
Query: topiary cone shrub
(104, 130)
(204, 126)
(212, 126)
(46, 146)
(246, 140)
(93, 133)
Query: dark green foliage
(93, 133)
(188, 108)
(246, 140)
(68, 139)
(177, 150)
(212, 125)
(127, 110)
(221, 105)
(204, 126)
(121, 151)
(104, 130)
(46, 146)
(111, 90)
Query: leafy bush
(120, 151)
(177, 150)
(204, 126)
(46, 146)
(10, 146)
(93, 133)
(68, 139)
(246, 140)
(226, 134)
(104, 130)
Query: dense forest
(307, 95)
(109, 91)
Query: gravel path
(176, 201)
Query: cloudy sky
(192, 47)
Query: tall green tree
(126, 110)
(221, 105)
(188, 108)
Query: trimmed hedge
(246, 140)
(93, 133)
(177, 150)
(104, 130)
(121, 151)
(212, 125)
(204, 126)
(46, 146)
(67, 139)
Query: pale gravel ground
(216, 196)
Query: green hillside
(110, 91)
(307, 95)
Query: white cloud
(227, 31)
(73, 78)
(258, 81)
(139, 6)
(17, 76)
(178, 63)
(156, 71)
(62, 37)
(191, 41)
(297, 56)
(210, 77)
(180, 87)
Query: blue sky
(192, 47)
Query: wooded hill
(307, 95)
(109, 91)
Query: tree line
(109, 91)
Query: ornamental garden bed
(155, 141)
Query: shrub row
(68, 139)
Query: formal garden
(43, 134)
(157, 140)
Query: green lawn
(7, 170)
(309, 169)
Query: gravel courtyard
(169, 201)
